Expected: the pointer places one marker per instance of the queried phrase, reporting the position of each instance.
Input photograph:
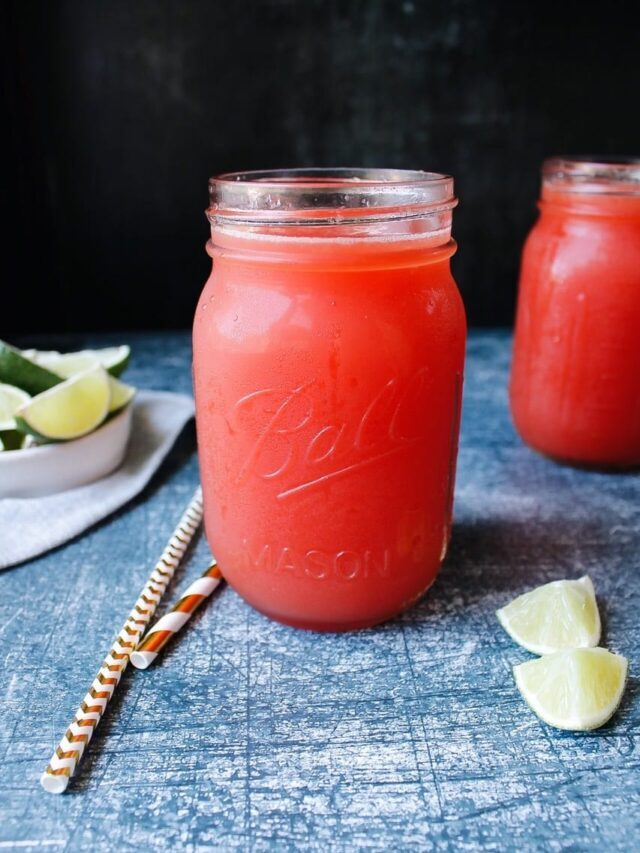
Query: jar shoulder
(567, 247)
(236, 304)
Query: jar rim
(593, 174)
(321, 196)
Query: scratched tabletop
(247, 735)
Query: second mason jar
(575, 380)
(328, 359)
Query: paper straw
(66, 758)
(176, 618)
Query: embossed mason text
(317, 564)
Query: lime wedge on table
(70, 410)
(576, 689)
(559, 615)
(11, 398)
(67, 364)
(16, 369)
(121, 395)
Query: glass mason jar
(575, 379)
(328, 357)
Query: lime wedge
(24, 373)
(578, 689)
(70, 410)
(11, 398)
(121, 395)
(113, 359)
(559, 615)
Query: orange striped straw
(158, 636)
(65, 759)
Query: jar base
(597, 467)
(594, 466)
(325, 627)
(332, 627)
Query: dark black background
(118, 111)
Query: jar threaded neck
(592, 175)
(326, 197)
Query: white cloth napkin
(31, 526)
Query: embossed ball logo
(294, 445)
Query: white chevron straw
(65, 759)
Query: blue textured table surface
(251, 736)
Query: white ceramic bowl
(52, 468)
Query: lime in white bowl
(51, 468)
(65, 419)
